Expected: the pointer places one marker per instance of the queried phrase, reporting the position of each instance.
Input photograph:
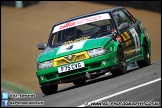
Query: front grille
(50, 76)
(73, 77)
(71, 58)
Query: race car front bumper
(96, 65)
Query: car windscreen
(95, 29)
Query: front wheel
(122, 65)
(49, 89)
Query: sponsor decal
(71, 47)
(81, 21)
(76, 40)
(129, 51)
(68, 24)
(126, 38)
(136, 38)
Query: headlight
(45, 65)
(97, 52)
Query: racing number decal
(136, 38)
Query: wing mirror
(41, 46)
(123, 26)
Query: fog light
(104, 62)
(42, 77)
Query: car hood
(63, 50)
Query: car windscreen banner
(81, 21)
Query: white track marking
(118, 93)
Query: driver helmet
(70, 32)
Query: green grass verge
(15, 87)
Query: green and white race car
(90, 45)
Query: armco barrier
(147, 5)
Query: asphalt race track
(22, 29)
(140, 86)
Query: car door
(128, 31)
(134, 29)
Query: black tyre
(49, 89)
(122, 65)
(147, 57)
(79, 82)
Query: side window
(131, 18)
(121, 17)
(117, 18)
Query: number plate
(70, 67)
